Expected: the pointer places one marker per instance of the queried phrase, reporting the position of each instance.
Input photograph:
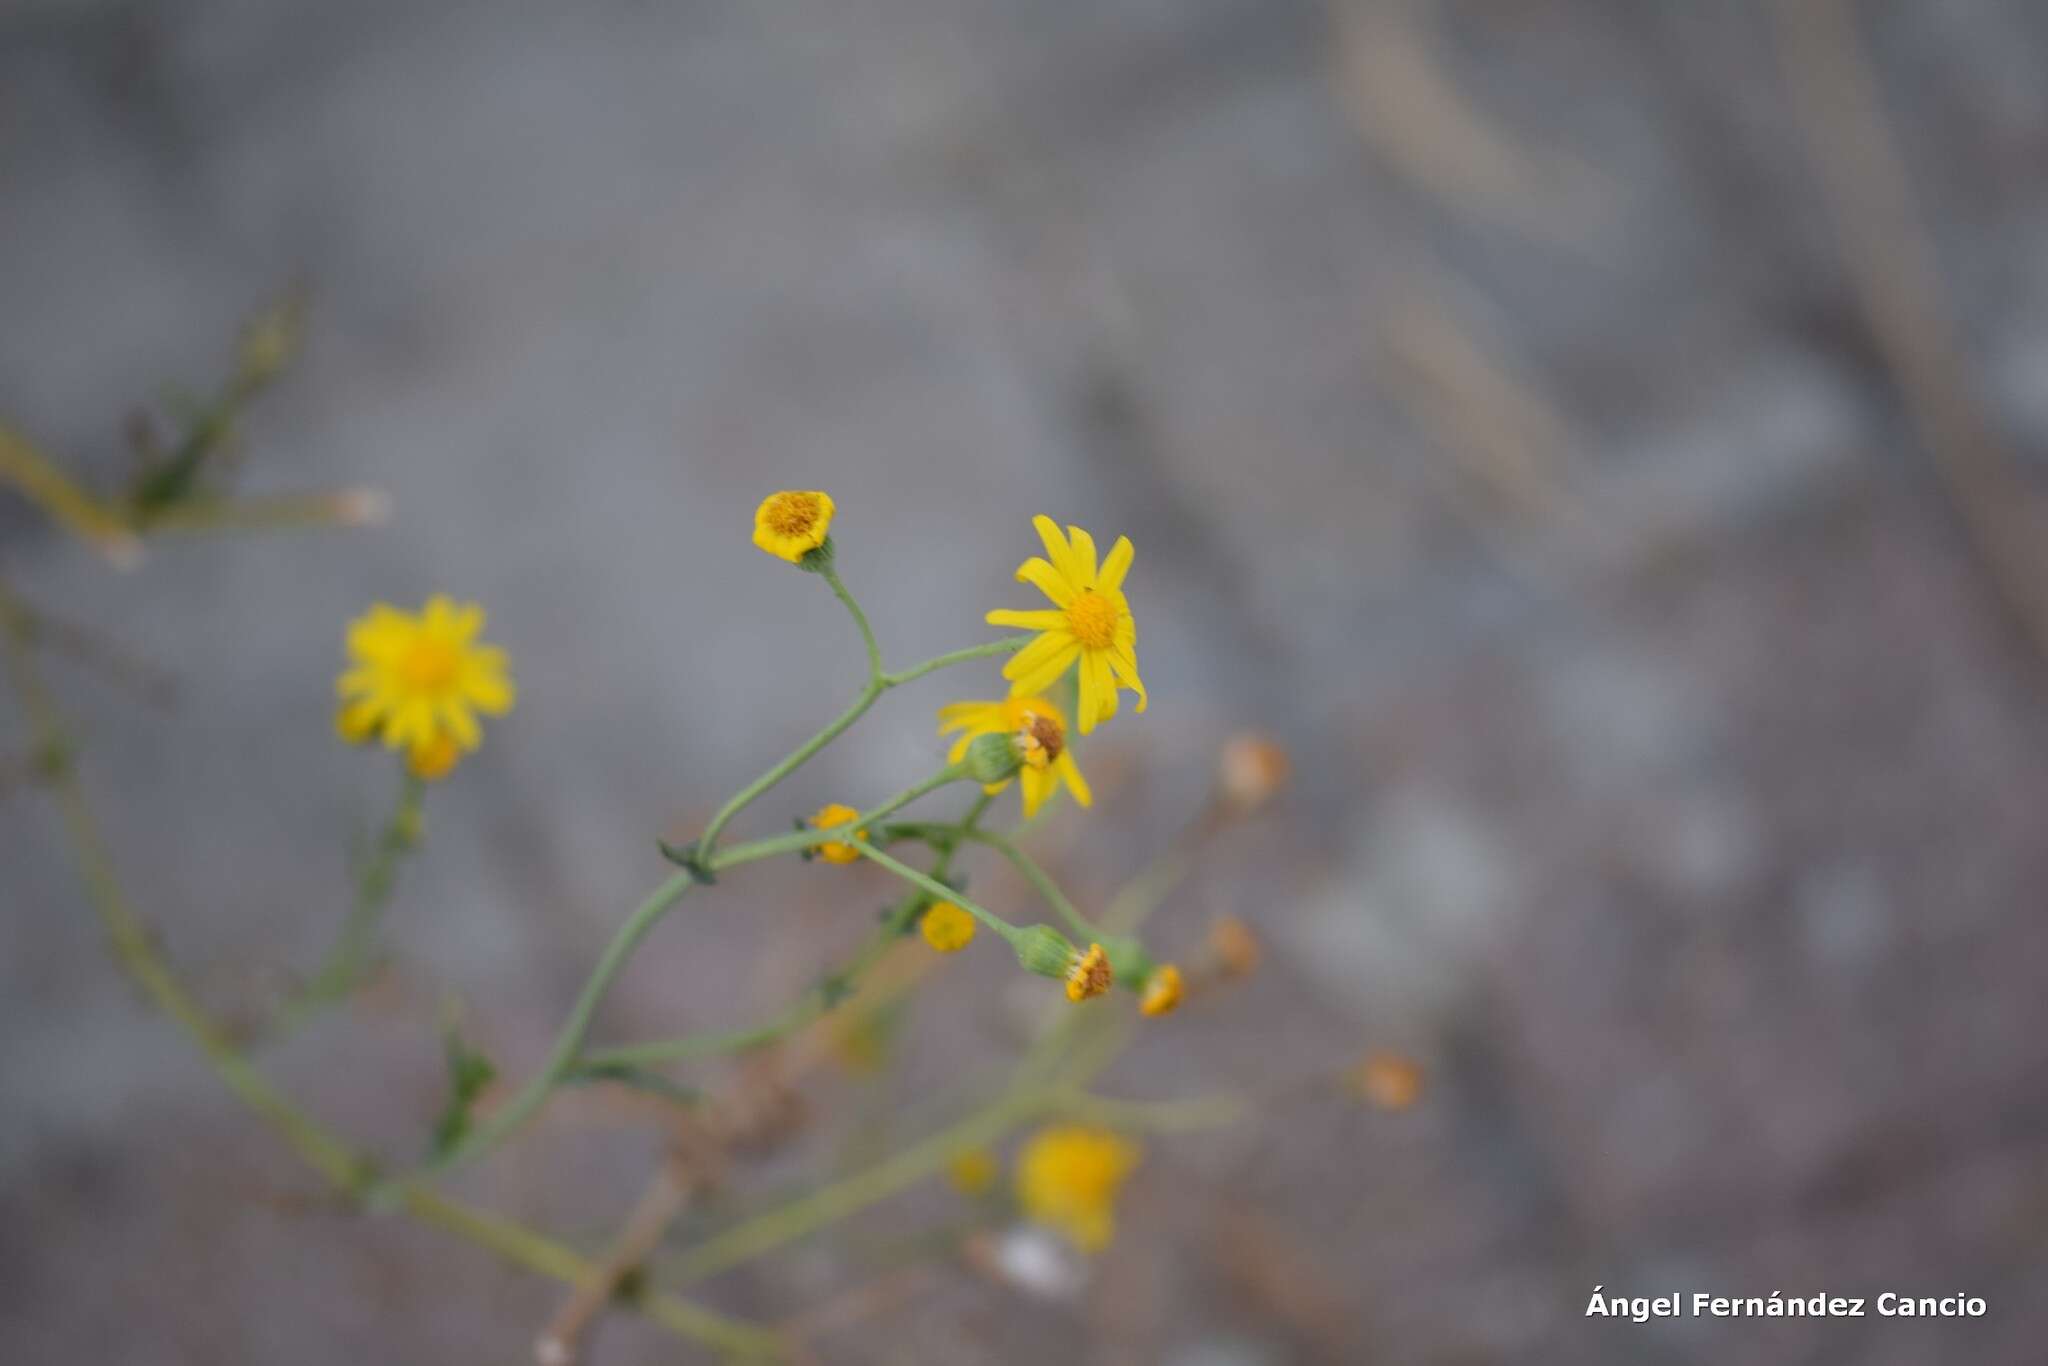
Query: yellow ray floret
(793, 523)
(1089, 623)
(1040, 731)
(1068, 1179)
(416, 681)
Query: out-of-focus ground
(1499, 422)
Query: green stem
(755, 850)
(814, 1004)
(940, 890)
(1040, 880)
(569, 1041)
(787, 1223)
(349, 1171)
(860, 619)
(1007, 646)
(349, 958)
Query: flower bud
(1044, 950)
(992, 758)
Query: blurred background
(1600, 439)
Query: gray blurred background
(1598, 437)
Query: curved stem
(810, 839)
(778, 1227)
(1040, 880)
(813, 1004)
(349, 1171)
(938, 889)
(860, 619)
(1007, 646)
(569, 1041)
(349, 958)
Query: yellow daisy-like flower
(830, 816)
(417, 682)
(946, 927)
(1068, 1179)
(1041, 735)
(793, 523)
(1162, 990)
(1090, 976)
(1090, 623)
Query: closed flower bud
(1045, 951)
(992, 758)
(1250, 771)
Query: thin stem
(795, 760)
(1008, 645)
(860, 619)
(1039, 879)
(569, 1041)
(92, 520)
(348, 1170)
(787, 1223)
(349, 958)
(938, 889)
(814, 1003)
(811, 838)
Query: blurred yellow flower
(417, 682)
(1041, 735)
(1162, 990)
(1090, 976)
(1068, 1178)
(946, 927)
(973, 1171)
(1388, 1080)
(1090, 623)
(831, 816)
(793, 523)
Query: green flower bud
(1044, 950)
(992, 758)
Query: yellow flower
(1090, 976)
(793, 523)
(830, 816)
(946, 927)
(1234, 947)
(973, 1171)
(1090, 622)
(1162, 990)
(417, 682)
(1068, 1179)
(1041, 735)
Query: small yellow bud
(946, 927)
(793, 524)
(831, 816)
(1162, 991)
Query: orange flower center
(792, 514)
(428, 665)
(1039, 739)
(1092, 619)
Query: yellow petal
(1056, 548)
(1124, 661)
(1114, 566)
(1032, 656)
(1049, 667)
(1046, 580)
(1084, 557)
(1042, 620)
(1071, 773)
